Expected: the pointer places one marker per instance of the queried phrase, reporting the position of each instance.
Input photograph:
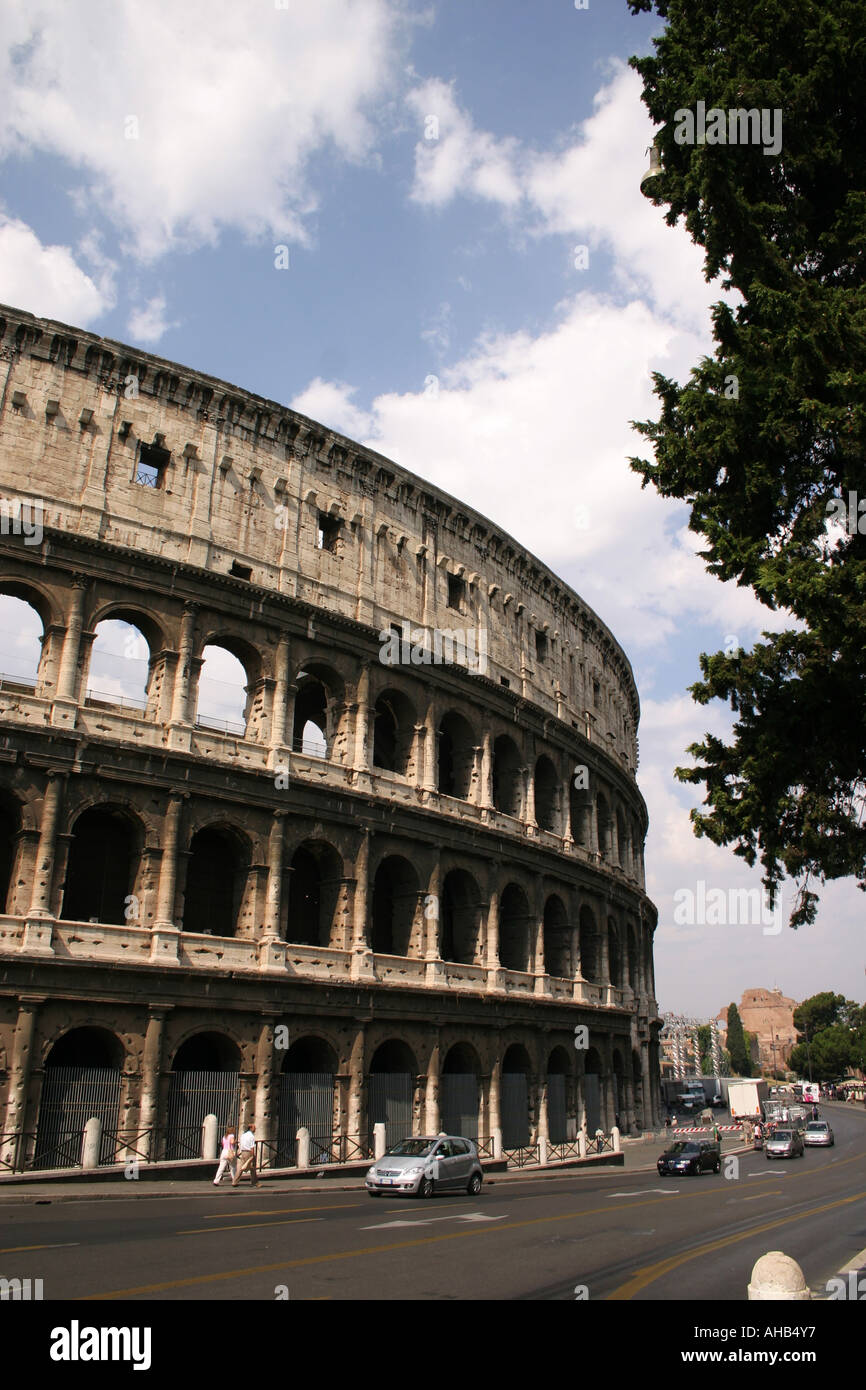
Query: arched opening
(588, 933)
(623, 846)
(558, 1072)
(557, 939)
(99, 870)
(456, 756)
(579, 813)
(395, 901)
(314, 889)
(10, 826)
(516, 1127)
(603, 822)
(546, 795)
(205, 1080)
(21, 639)
(391, 1091)
(460, 911)
(82, 1081)
(214, 883)
(222, 697)
(618, 1088)
(459, 1091)
(307, 1082)
(393, 732)
(507, 777)
(592, 1091)
(633, 975)
(637, 1089)
(614, 954)
(310, 731)
(119, 670)
(514, 933)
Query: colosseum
(406, 888)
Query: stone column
(363, 752)
(265, 1106)
(181, 693)
(646, 1088)
(493, 1107)
(485, 786)
(41, 897)
(165, 934)
(356, 1110)
(431, 1097)
(493, 966)
(434, 969)
(280, 739)
(431, 749)
(67, 677)
(529, 814)
(362, 956)
(539, 967)
(19, 1075)
(608, 1099)
(151, 1067)
(272, 951)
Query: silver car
(819, 1132)
(432, 1163)
(784, 1143)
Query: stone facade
(405, 925)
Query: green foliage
(831, 1036)
(787, 232)
(737, 1047)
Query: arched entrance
(307, 1101)
(10, 825)
(205, 1080)
(100, 867)
(558, 1070)
(460, 1091)
(214, 882)
(82, 1081)
(592, 1091)
(515, 1098)
(391, 1091)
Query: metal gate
(592, 1100)
(390, 1097)
(557, 1121)
(70, 1097)
(515, 1110)
(306, 1100)
(191, 1096)
(458, 1104)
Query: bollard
(777, 1277)
(542, 1151)
(91, 1143)
(614, 1134)
(581, 1144)
(497, 1143)
(378, 1140)
(303, 1138)
(209, 1137)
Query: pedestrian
(247, 1162)
(228, 1154)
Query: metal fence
(458, 1098)
(306, 1101)
(515, 1110)
(390, 1097)
(70, 1097)
(191, 1096)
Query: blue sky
(432, 171)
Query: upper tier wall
(249, 483)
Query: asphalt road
(614, 1234)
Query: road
(613, 1234)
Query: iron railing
(522, 1157)
(559, 1152)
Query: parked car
(784, 1143)
(691, 1156)
(818, 1132)
(420, 1167)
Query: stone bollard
(91, 1143)
(379, 1145)
(542, 1151)
(209, 1137)
(778, 1277)
(303, 1138)
(581, 1145)
(614, 1134)
(497, 1143)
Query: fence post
(497, 1143)
(378, 1140)
(92, 1142)
(209, 1137)
(303, 1138)
(581, 1144)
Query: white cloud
(148, 323)
(453, 157)
(46, 280)
(187, 118)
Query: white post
(776, 1277)
(378, 1140)
(209, 1136)
(497, 1143)
(303, 1138)
(91, 1143)
(542, 1150)
(581, 1144)
(614, 1134)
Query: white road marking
(666, 1192)
(428, 1221)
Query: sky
(420, 224)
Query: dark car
(691, 1156)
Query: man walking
(247, 1163)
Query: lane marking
(429, 1220)
(665, 1191)
(248, 1226)
(773, 1192)
(652, 1272)
(277, 1211)
(61, 1245)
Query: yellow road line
(773, 1192)
(280, 1211)
(248, 1226)
(652, 1272)
(17, 1249)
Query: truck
(811, 1092)
(692, 1095)
(746, 1099)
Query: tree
(818, 1012)
(769, 431)
(833, 1051)
(736, 1040)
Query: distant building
(769, 1016)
